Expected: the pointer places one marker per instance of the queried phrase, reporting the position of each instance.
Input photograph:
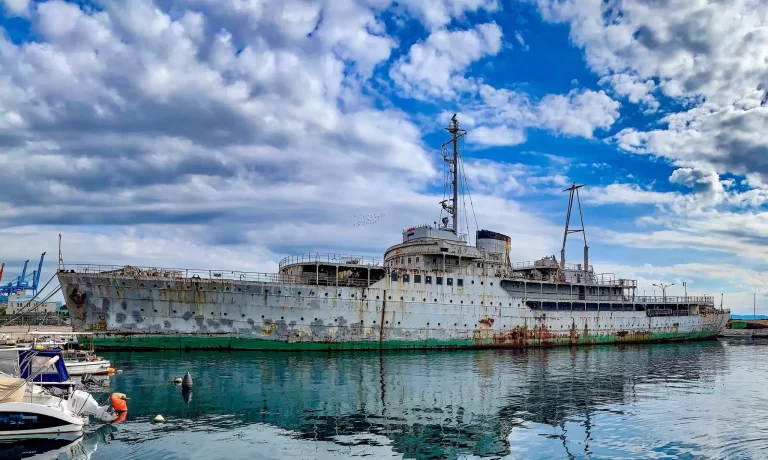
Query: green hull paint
(180, 342)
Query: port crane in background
(23, 282)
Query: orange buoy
(118, 401)
(120, 418)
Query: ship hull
(128, 312)
(133, 341)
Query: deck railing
(215, 275)
(331, 258)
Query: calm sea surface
(697, 400)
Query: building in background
(17, 303)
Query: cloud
(708, 56)
(435, 67)
(437, 13)
(625, 194)
(506, 114)
(496, 136)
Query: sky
(228, 134)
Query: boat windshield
(9, 362)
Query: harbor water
(688, 400)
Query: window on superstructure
(439, 280)
(394, 276)
(417, 260)
(428, 280)
(449, 281)
(434, 260)
(459, 282)
(406, 278)
(417, 278)
(409, 260)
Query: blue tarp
(30, 362)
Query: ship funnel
(496, 246)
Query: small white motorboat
(27, 409)
(78, 362)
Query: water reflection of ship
(430, 405)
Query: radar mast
(452, 158)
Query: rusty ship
(432, 290)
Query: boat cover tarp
(11, 389)
(30, 362)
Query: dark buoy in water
(187, 380)
(186, 394)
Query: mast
(574, 190)
(453, 162)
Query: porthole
(214, 288)
(377, 297)
(302, 318)
(311, 292)
(315, 319)
(481, 283)
(155, 285)
(413, 299)
(424, 299)
(386, 322)
(142, 309)
(475, 324)
(454, 324)
(510, 304)
(243, 315)
(173, 310)
(155, 310)
(450, 301)
(353, 296)
(462, 301)
(211, 313)
(438, 324)
(142, 284)
(491, 283)
(326, 294)
(123, 283)
(262, 316)
(282, 317)
(435, 300)
(473, 281)
(427, 324)
(279, 292)
(339, 294)
(389, 297)
(365, 296)
(398, 323)
(401, 298)
(481, 302)
(374, 321)
(299, 293)
(225, 314)
(335, 320)
(465, 325)
(239, 289)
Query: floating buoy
(158, 419)
(187, 381)
(176, 380)
(119, 371)
(111, 371)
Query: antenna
(61, 259)
(453, 162)
(574, 190)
